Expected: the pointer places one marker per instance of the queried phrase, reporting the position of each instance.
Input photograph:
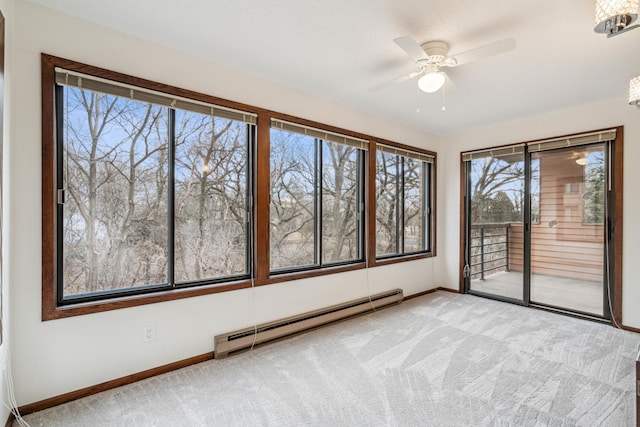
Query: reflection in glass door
(567, 229)
(495, 230)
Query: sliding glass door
(536, 223)
(567, 229)
(495, 250)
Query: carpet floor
(438, 360)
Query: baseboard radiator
(244, 339)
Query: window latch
(60, 196)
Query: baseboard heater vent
(233, 342)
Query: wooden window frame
(261, 175)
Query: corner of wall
(6, 7)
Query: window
(211, 194)
(153, 193)
(402, 202)
(316, 210)
(155, 196)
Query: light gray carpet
(437, 360)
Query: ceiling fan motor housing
(437, 51)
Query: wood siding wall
(561, 244)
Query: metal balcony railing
(489, 248)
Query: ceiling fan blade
(394, 81)
(491, 49)
(449, 86)
(411, 47)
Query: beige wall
(6, 6)
(55, 357)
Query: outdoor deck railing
(489, 248)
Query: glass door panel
(495, 247)
(567, 228)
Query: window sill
(80, 309)
(61, 312)
(402, 258)
(298, 275)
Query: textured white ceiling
(340, 48)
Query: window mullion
(250, 202)
(171, 241)
(318, 202)
(399, 203)
(61, 94)
(360, 179)
(403, 212)
(425, 205)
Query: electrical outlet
(149, 333)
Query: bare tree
(111, 148)
(493, 178)
(387, 176)
(293, 195)
(211, 196)
(413, 197)
(299, 187)
(117, 176)
(399, 198)
(340, 202)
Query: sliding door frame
(607, 146)
(466, 249)
(613, 227)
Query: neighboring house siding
(561, 243)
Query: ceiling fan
(431, 56)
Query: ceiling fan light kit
(634, 91)
(614, 17)
(431, 81)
